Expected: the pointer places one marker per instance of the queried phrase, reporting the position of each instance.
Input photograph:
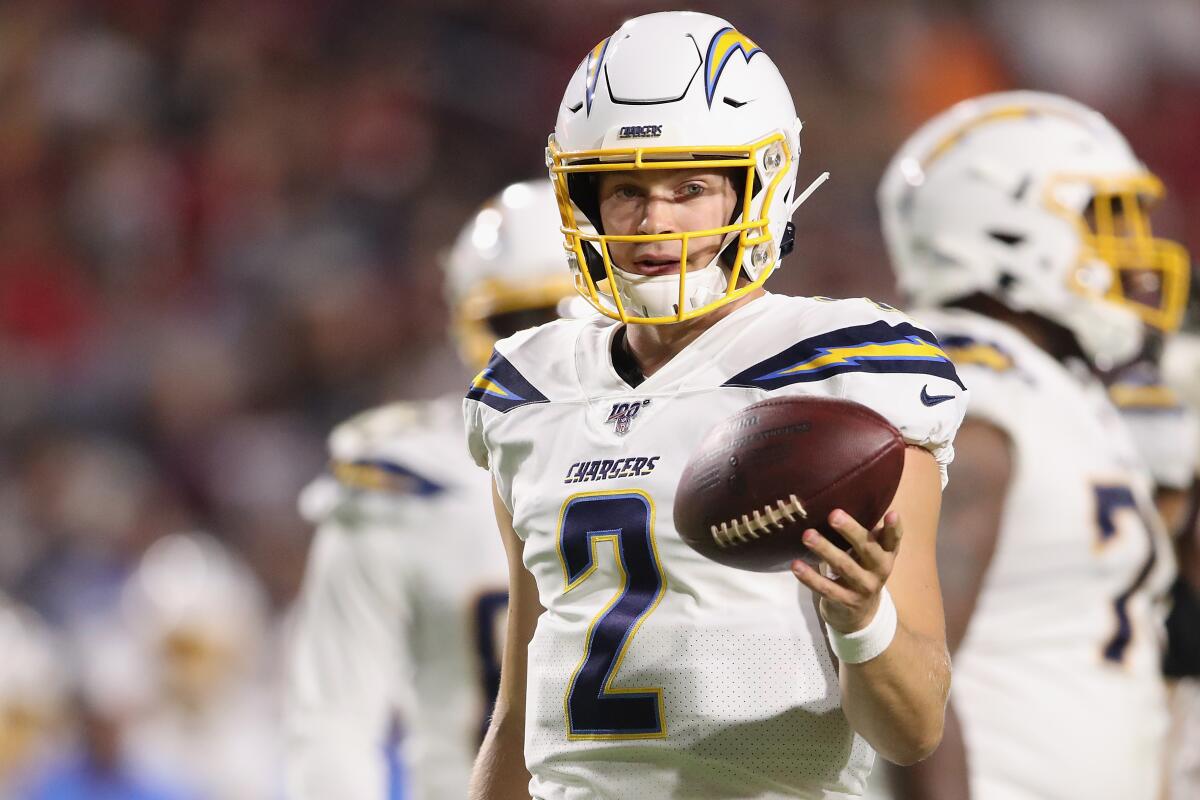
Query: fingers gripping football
(850, 595)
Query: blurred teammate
(654, 672)
(32, 696)
(1164, 427)
(405, 598)
(1181, 372)
(1022, 218)
(198, 617)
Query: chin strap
(788, 241)
(812, 187)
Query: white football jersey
(655, 672)
(1057, 681)
(1165, 430)
(228, 750)
(403, 609)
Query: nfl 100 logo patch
(623, 415)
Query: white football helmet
(508, 260)
(199, 609)
(676, 90)
(1037, 201)
(33, 687)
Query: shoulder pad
(501, 386)
(530, 366)
(882, 345)
(382, 449)
(364, 432)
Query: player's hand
(849, 600)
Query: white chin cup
(658, 295)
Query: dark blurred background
(220, 224)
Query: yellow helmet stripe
(721, 48)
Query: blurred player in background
(1181, 372)
(32, 696)
(405, 598)
(653, 671)
(1022, 218)
(1157, 398)
(1163, 425)
(198, 620)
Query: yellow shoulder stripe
(983, 355)
(904, 349)
(1130, 395)
(366, 476)
(484, 384)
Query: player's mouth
(652, 266)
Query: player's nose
(658, 216)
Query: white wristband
(863, 645)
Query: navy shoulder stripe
(502, 387)
(875, 347)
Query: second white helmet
(508, 260)
(1039, 202)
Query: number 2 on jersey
(1109, 501)
(596, 709)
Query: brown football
(762, 477)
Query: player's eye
(626, 192)
(692, 189)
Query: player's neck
(1049, 336)
(652, 346)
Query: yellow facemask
(1145, 274)
(473, 318)
(589, 251)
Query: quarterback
(634, 667)
(403, 603)
(1022, 219)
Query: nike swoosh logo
(933, 399)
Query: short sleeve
(874, 355)
(926, 411)
(473, 426)
(1165, 432)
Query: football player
(635, 667)
(33, 690)
(1164, 427)
(198, 617)
(405, 598)
(1181, 372)
(1022, 218)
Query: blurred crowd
(220, 226)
